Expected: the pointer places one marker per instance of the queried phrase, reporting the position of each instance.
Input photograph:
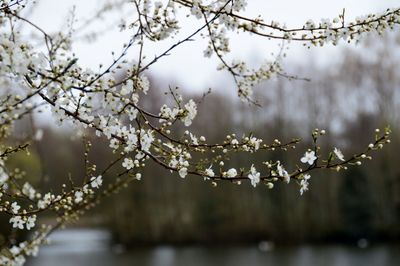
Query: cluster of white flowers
(179, 159)
(46, 201)
(19, 222)
(29, 191)
(20, 219)
(190, 113)
(168, 113)
(186, 114)
(17, 260)
(150, 14)
(24, 248)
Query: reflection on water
(91, 247)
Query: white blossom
(146, 138)
(15, 207)
(96, 182)
(254, 176)
(234, 142)
(339, 154)
(128, 163)
(127, 87)
(183, 172)
(78, 196)
(255, 143)
(194, 139)
(304, 183)
(30, 222)
(17, 222)
(138, 176)
(283, 173)
(132, 113)
(309, 157)
(231, 173)
(209, 172)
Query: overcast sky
(186, 65)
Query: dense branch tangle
(311, 34)
(99, 103)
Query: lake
(91, 247)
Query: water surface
(91, 248)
